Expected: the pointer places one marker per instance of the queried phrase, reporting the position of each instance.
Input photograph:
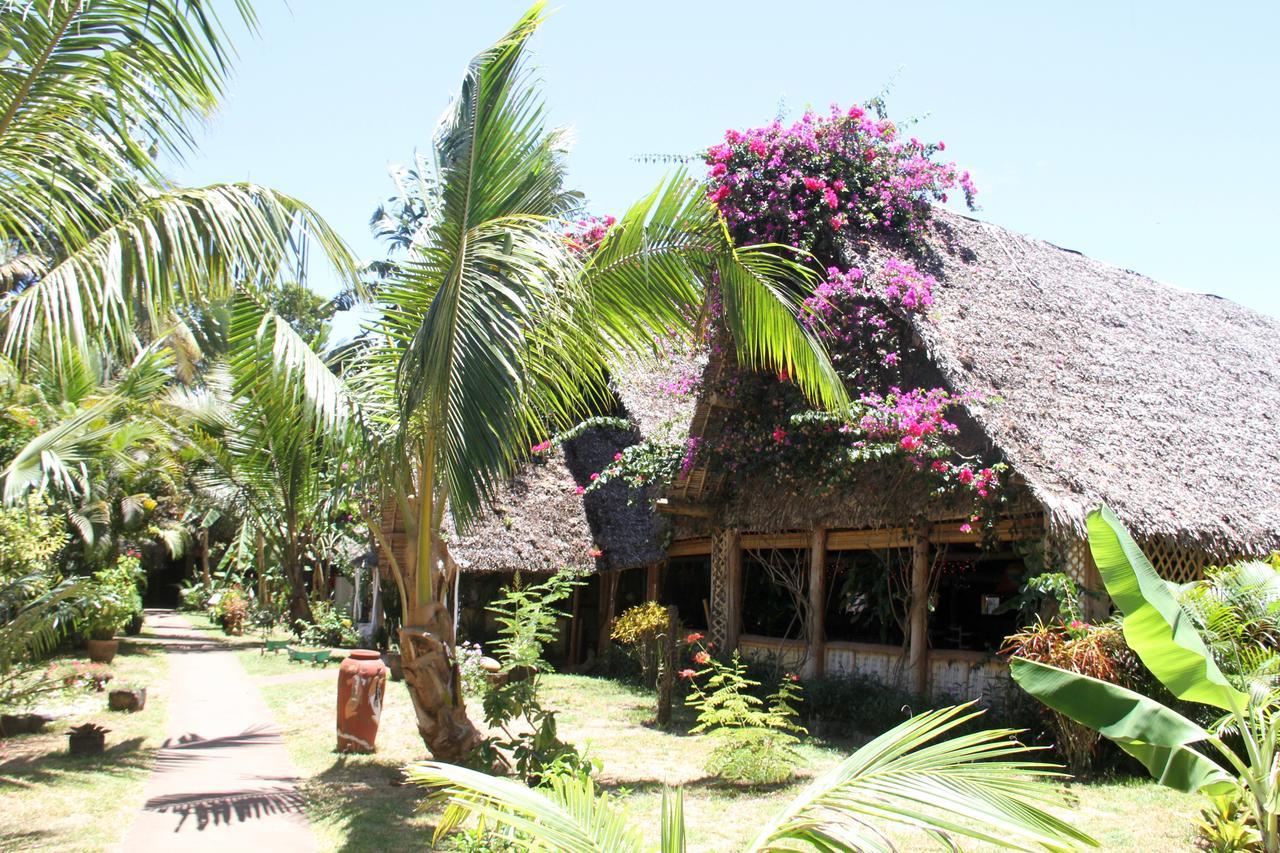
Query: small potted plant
(127, 697)
(88, 739)
(112, 601)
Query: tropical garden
(178, 426)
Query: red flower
(687, 674)
(791, 676)
(692, 638)
(595, 553)
(702, 658)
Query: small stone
(490, 665)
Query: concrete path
(223, 780)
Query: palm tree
(978, 786)
(493, 332)
(94, 241)
(274, 430)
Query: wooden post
(733, 621)
(575, 629)
(816, 631)
(264, 592)
(918, 653)
(667, 673)
(652, 581)
(608, 601)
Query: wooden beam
(918, 638)
(674, 507)
(862, 540)
(816, 632)
(575, 629)
(608, 604)
(733, 621)
(652, 580)
(690, 547)
(756, 541)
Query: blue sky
(1140, 133)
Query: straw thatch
(1108, 386)
(540, 523)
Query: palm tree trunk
(264, 592)
(205, 577)
(427, 640)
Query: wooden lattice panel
(718, 625)
(1180, 565)
(1070, 555)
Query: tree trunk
(264, 592)
(204, 560)
(427, 640)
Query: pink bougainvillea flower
(966, 476)
(966, 528)
(581, 490)
(595, 476)
(595, 553)
(617, 457)
(779, 435)
(910, 442)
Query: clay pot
(362, 679)
(127, 699)
(87, 740)
(103, 651)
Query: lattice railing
(1180, 565)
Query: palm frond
(569, 814)
(976, 785)
(166, 249)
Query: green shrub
(232, 611)
(193, 597)
(754, 756)
(640, 629)
(327, 628)
(114, 599)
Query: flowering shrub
(640, 629)
(824, 175)
(327, 628)
(1098, 651)
(232, 610)
(78, 674)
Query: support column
(815, 662)
(733, 614)
(608, 603)
(652, 581)
(575, 629)
(918, 648)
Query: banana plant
(978, 786)
(1237, 755)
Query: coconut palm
(94, 241)
(495, 331)
(979, 786)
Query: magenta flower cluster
(802, 185)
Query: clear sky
(1140, 133)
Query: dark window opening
(686, 583)
(971, 588)
(773, 579)
(866, 595)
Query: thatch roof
(1112, 387)
(540, 523)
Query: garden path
(223, 780)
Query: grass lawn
(356, 803)
(50, 801)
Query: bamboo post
(918, 649)
(816, 631)
(667, 677)
(733, 626)
(652, 581)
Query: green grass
(51, 801)
(357, 803)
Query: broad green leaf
(1142, 727)
(1156, 627)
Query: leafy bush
(754, 756)
(757, 736)
(639, 629)
(113, 597)
(327, 628)
(193, 597)
(527, 618)
(1098, 651)
(1226, 825)
(30, 537)
(232, 611)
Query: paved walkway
(223, 780)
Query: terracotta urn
(362, 678)
(103, 651)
